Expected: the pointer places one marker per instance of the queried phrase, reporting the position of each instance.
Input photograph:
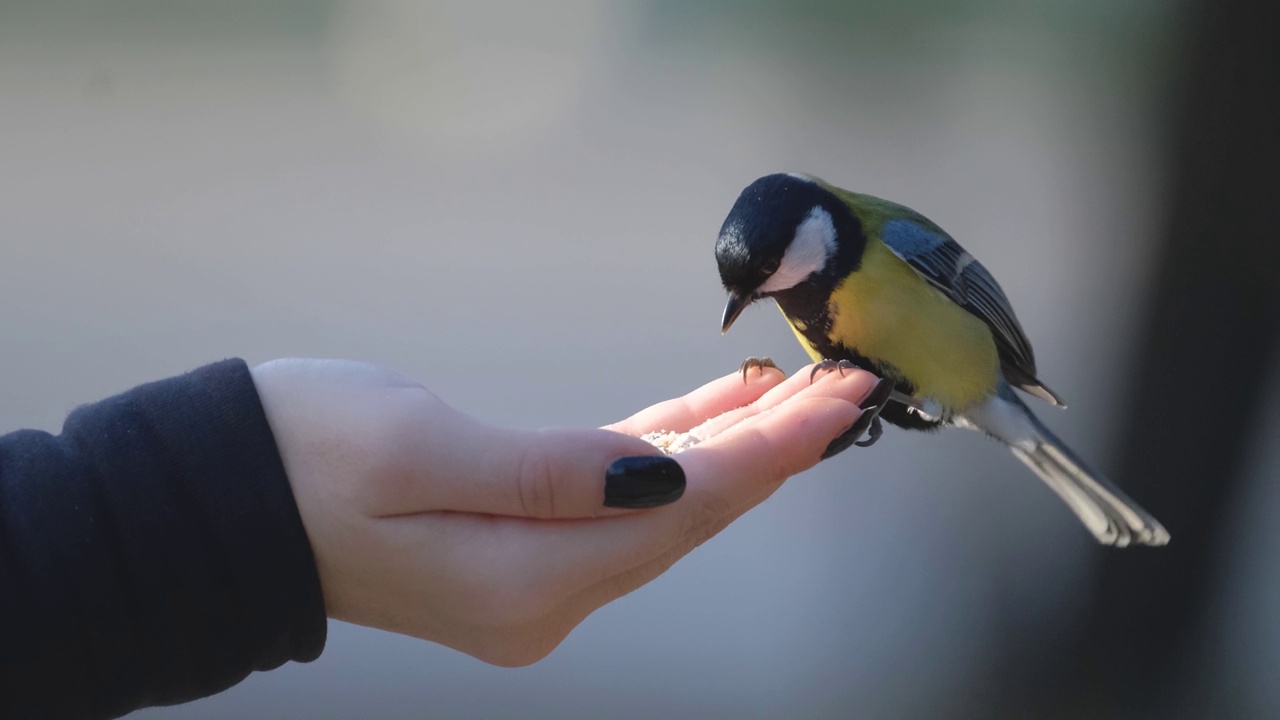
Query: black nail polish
(840, 444)
(644, 481)
(879, 394)
(854, 433)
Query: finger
(543, 625)
(545, 612)
(462, 465)
(726, 476)
(798, 385)
(765, 449)
(551, 474)
(567, 474)
(586, 601)
(714, 398)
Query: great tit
(872, 284)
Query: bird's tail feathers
(1104, 509)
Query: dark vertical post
(1206, 348)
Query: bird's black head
(784, 231)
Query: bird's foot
(829, 365)
(868, 422)
(873, 433)
(759, 364)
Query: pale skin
(427, 522)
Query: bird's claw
(868, 421)
(828, 365)
(873, 433)
(759, 364)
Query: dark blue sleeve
(150, 554)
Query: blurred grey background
(516, 204)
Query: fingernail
(855, 431)
(879, 394)
(644, 481)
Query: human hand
(497, 542)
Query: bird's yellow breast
(888, 313)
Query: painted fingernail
(643, 481)
(879, 394)
(855, 431)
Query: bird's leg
(759, 364)
(827, 365)
(926, 409)
(907, 400)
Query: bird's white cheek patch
(813, 245)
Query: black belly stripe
(807, 305)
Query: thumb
(563, 474)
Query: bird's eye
(771, 266)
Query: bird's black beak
(737, 303)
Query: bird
(868, 283)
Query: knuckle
(777, 472)
(780, 464)
(709, 517)
(536, 484)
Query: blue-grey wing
(944, 264)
